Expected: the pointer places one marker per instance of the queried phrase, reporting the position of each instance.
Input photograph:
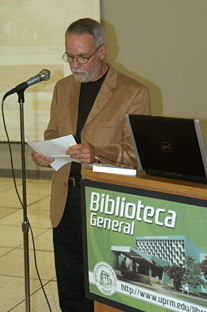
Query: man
(90, 104)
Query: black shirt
(88, 94)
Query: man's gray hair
(88, 26)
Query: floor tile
(13, 264)
(37, 187)
(7, 184)
(10, 199)
(12, 292)
(13, 295)
(40, 219)
(4, 212)
(44, 240)
(12, 236)
(4, 251)
(38, 302)
(43, 204)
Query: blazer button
(65, 184)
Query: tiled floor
(12, 279)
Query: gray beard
(88, 76)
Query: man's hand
(41, 160)
(84, 152)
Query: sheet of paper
(55, 148)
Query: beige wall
(163, 43)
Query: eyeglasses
(80, 59)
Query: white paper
(107, 168)
(55, 148)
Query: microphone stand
(25, 224)
(43, 75)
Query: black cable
(35, 260)
(15, 185)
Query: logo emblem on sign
(105, 278)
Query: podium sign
(144, 250)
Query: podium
(189, 191)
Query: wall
(163, 44)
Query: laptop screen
(170, 147)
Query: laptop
(169, 147)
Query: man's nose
(75, 63)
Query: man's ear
(102, 51)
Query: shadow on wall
(112, 53)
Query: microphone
(43, 75)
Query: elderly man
(90, 104)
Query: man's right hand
(41, 160)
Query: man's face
(83, 45)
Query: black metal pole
(25, 224)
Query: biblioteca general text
(121, 216)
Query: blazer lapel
(73, 105)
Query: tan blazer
(105, 126)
